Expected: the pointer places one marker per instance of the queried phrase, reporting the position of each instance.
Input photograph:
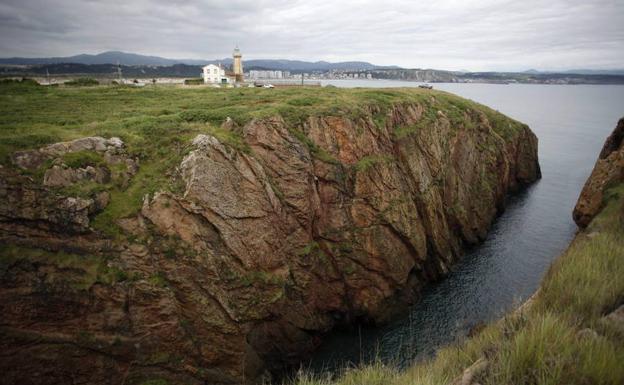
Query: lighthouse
(237, 66)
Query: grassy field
(157, 123)
(543, 343)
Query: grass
(157, 123)
(83, 189)
(541, 344)
(81, 159)
(31, 115)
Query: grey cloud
(452, 34)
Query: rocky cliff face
(608, 172)
(263, 248)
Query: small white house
(214, 74)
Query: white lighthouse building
(215, 74)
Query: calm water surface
(571, 122)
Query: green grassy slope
(157, 123)
(543, 342)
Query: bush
(194, 82)
(22, 81)
(82, 82)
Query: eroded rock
(23, 201)
(608, 171)
(32, 159)
(28, 204)
(59, 176)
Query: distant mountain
(297, 65)
(106, 70)
(131, 59)
(579, 72)
(596, 72)
(110, 57)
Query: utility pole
(302, 78)
(119, 71)
(48, 76)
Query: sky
(445, 34)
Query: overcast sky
(443, 34)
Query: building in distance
(215, 74)
(237, 65)
(267, 74)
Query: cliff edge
(608, 171)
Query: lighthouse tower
(237, 67)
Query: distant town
(216, 74)
(138, 69)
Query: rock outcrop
(608, 171)
(27, 204)
(265, 248)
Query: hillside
(570, 332)
(199, 235)
(131, 59)
(109, 57)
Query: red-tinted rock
(608, 171)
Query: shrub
(22, 81)
(82, 82)
(194, 82)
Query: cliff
(608, 172)
(250, 241)
(571, 331)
